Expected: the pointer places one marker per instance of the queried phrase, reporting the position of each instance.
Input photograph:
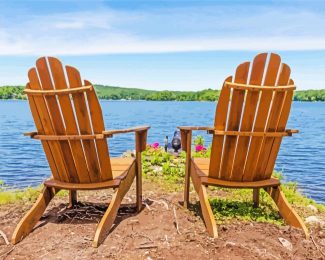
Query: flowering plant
(200, 148)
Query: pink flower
(199, 148)
(155, 145)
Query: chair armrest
(31, 134)
(186, 133)
(195, 128)
(292, 131)
(110, 133)
(140, 135)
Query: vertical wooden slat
(281, 127)
(56, 118)
(219, 124)
(251, 101)
(69, 119)
(261, 118)
(40, 130)
(98, 127)
(234, 117)
(272, 123)
(44, 115)
(84, 124)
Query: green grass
(29, 194)
(226, 210)
(227, 204)
(26, 195)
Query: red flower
(200, 148)
(155, 145)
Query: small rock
(287, 244)
(312, 208)
(313, 220)
(321, 234)
(229, 243)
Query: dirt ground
(65, 233)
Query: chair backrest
(258, 99)
(62, 106)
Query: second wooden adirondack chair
(250, 122)
(70, 125)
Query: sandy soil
(66, 233)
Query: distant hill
(118, 93)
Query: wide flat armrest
(186, 135)
(140, 135)
(195, 128)
(110, 133)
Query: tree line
(118, 93)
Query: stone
(313, 220)
(229, 244)
(285, 243)
(312, 208)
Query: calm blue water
(301, 158)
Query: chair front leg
(110, 215)
(186, 136)
(140, 144)
(73, 198)
(207, 213)
(256, 197)
(289, 215)
(27, 223)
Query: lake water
(301, 158)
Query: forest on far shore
(118, 93)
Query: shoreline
(144, 100)
(105, 92)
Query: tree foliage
(12, 92)
(118, 93)
(310, 95)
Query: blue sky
(176, 45)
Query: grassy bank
(118, 93)
(29, 194)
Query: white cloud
(167, 30)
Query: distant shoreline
(135, 94)
(140, 100)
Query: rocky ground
(162, 230)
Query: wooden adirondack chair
(250, 122)
(70, 125)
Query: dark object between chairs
(166, 143)
(176, 142)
